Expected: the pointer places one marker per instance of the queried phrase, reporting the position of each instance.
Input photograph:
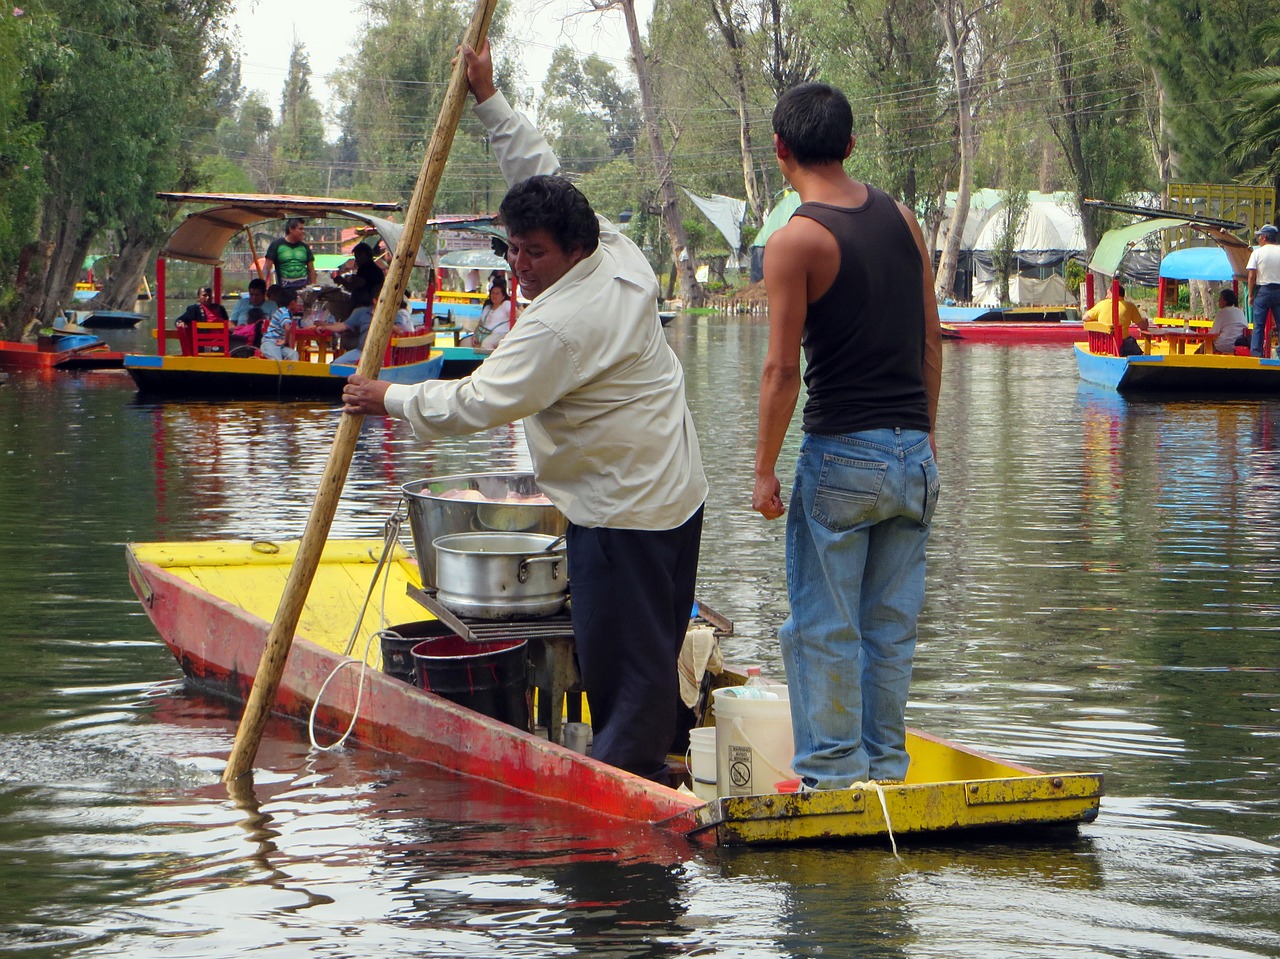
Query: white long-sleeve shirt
(588, 369)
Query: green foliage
(887, 56)
(390, 94)
(21, 170)
(1195, 48)
(300, 145)
(1255, 149)
(589, 115)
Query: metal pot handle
(522, 574)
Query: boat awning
(1197, 263)
(1116, 243)
(203, 235)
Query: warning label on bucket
(740, 770)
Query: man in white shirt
(609, 432)
(1263, 271)
(1229, 324)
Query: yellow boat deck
(252, 576)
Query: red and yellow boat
(213, 602)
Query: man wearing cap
(1263, 271)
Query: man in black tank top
(850, 281)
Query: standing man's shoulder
(798, 239)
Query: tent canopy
(778, 216)
(1045, 225)
(1116, 243)
(473, 260)
(1197, 263)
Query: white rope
(390, 536)
(888, 824)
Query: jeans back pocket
(847, 492)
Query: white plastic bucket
(702, 762)
(754, 747)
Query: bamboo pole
(253, 252)
(271, 667)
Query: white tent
(1049, 232)
(1047, 226)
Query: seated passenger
(1129, 314)
(253, 300)
(352, 332)
(275, 339)
(1229, 325)
(404, 318)
(204, 310)
(495, 319)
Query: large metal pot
(433, 514)
(501, 575)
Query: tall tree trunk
(66, 242)
(733, 41)
(691, 292)
(120, 292)
(952, 17)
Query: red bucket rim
(473, 650)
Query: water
(1101, 597)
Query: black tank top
(864, 339)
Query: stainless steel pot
(501, 575)
(432, 515)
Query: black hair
(362, 246)
(293, 221)
(1120, 291)
(207, 289)
(258, 283)
(283, 296)
(1229, 296)
(254, 314)
(553, 204)
(815, 122)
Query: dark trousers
(631, 595)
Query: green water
(1102, 596)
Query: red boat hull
(218, 646)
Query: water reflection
(1101, 596)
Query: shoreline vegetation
(949, 96)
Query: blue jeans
(1266, 298)
(856, 534)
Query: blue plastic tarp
(1197, 263)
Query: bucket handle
(522, 574)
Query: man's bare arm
(787, 255)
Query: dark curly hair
(553, 204)
(815, 121)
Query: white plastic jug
(754, 747)
(702, 762)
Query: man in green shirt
(291, 258)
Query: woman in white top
(495, 319)
(1229, 324)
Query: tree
(590, 117)
(1097, 112)
(1194, 49)
(21, 169)
(390, 94)
(968, 58)
(691, 292)
(300, 147)
(1255, 149)
(135, 70)
(887, 55)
